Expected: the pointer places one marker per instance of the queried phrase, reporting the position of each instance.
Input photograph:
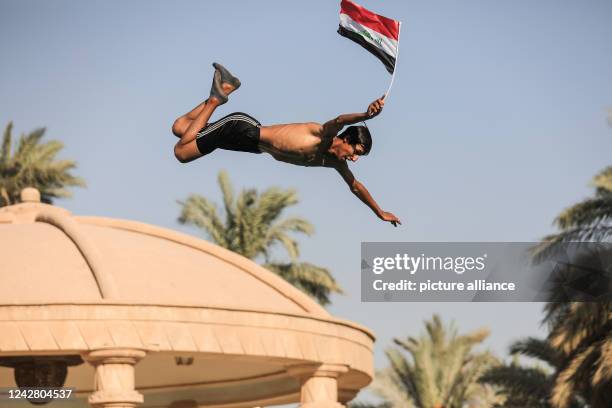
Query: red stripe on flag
(384, 25)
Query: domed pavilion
(132, 315)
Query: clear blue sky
(496, 121)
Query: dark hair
(358, 135)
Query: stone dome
(74, 284)
(106, 259)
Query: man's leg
(182, 122)
(186, 149)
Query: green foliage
(583, 332)
(32, 163)
(312, 279)
(537, 349)
(529, 386)
(524, 386)
(442, 370)
(252, 225)
(589, 220)
(579, 343)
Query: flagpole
(399, 33)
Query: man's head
(355, 141)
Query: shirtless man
(302, 144)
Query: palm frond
(28, 142)
(572, 378)
(295, 224)
(551, 245)
(228, 195)
(202, 213)
(603, 366)
(272, 203)
(538, 349)
(603, 181)
(313, 280)
(279, 233)
(45, 153)
(405, 372)
(583, 321)
(5, 152)
(388, 386)
(527, 382)
(586, 213)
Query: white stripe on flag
(385, 44)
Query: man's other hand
(390, 217)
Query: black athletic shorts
(236, 131)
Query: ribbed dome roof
(50, 256)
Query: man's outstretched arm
(364, 195)
(333, 126)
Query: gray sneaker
(216, 89)
(226, 76)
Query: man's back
(296, 143)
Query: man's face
(347, 151)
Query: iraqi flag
(376, 33)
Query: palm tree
(582, 331)
(442, 372)
(529, 386)
(33, 164)
(251, 227)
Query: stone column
(114, 378)
(319, 384)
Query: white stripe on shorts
(222, 122)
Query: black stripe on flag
(385, 58)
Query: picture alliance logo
(414, 264)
